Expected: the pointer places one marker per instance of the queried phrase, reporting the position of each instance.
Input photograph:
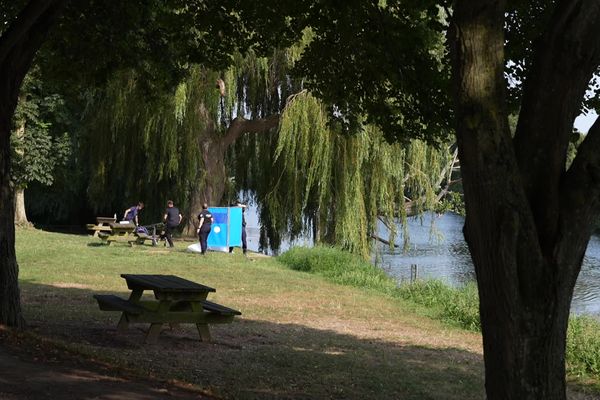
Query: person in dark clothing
(172, 219)
(205, 219)
(244, 246)
(131, 214)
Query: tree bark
(20, 213)
(521, 206)
(18, 46)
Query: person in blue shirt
(205, 220)
(132, 213)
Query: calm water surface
(442, 253)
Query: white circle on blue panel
(217, 229)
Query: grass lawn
(299, 337)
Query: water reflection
(448, 258)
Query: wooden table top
(105, 220)
(122, 227)
(170, 283)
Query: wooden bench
(218, 308)
(142, 237)
(109, 302)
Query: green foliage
(452, 202)
(338, 266)
(379, 63)
(38, 149)
(338, 184)
(583, 346)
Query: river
(441, 253)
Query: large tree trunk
(527, 245)
(18, 45)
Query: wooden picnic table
(119, 232)
(177, 301)
(102, 225)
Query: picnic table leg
(136, 295)
(153, 332)
(204, 332)
(203, 329)
(123, 323)
(155, 328)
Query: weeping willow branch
(240, 125)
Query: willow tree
(173, 144)
(342, 185)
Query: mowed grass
(299, 337)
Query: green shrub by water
(338, 266)
(455, 305)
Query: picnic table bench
(102, 225)
(151, 235)
(177, 301)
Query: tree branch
(580, 189)
(19, 44)
(382, 240)
(240, 125)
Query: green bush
(338, 266)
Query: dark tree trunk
(10, 306)
(213, 147)
(18, 45)
(528, 221)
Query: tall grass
(583, 347)
(458, 306)
(339, 267)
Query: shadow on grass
(254, 359)
(96, 244)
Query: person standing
(205, 219)
(131, 214)
(172, 219)
(244, 246)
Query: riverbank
(300, 336)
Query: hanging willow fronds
(339, 185)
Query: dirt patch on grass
(70, 285)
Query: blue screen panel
(218, 236)
(235, 226)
